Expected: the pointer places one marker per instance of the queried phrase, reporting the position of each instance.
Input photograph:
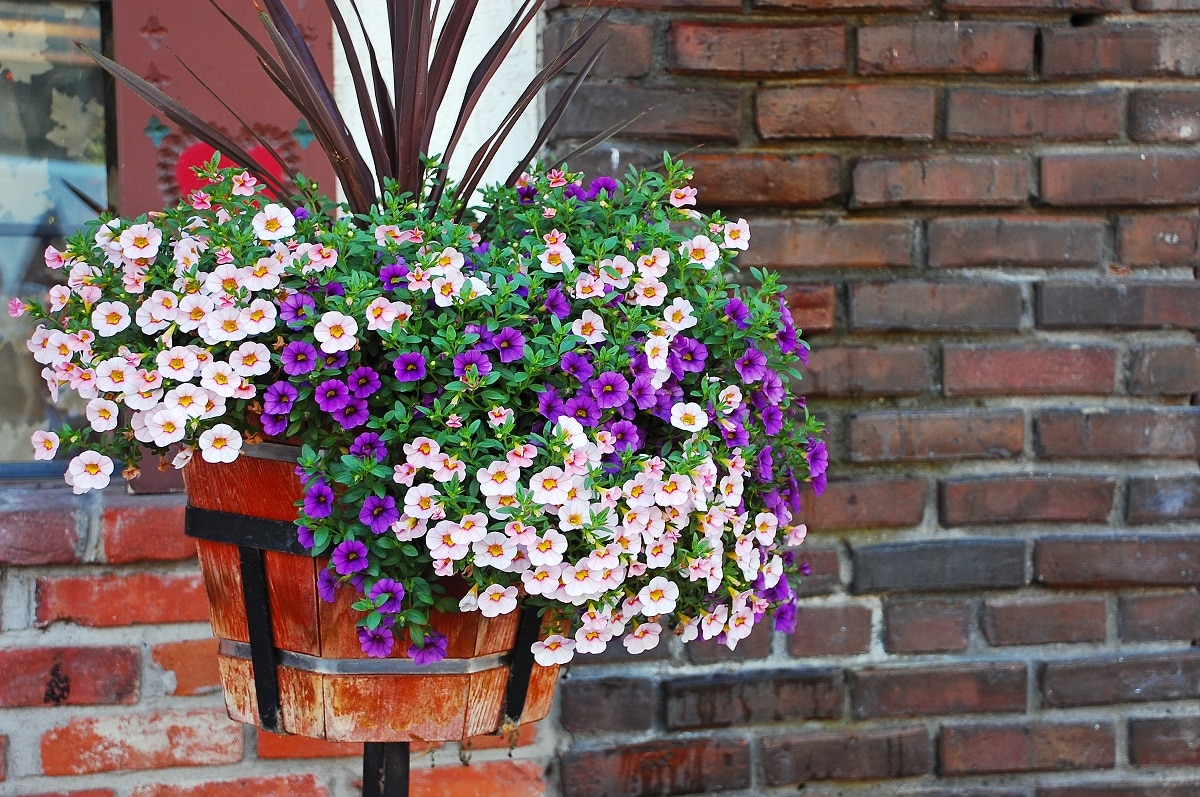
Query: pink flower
(109, 318)
(642, 638)
(737, 234)
(335, 332)
(222, 443)
(555, 649)
(700, 250)
(683, 196)
(243, 184)
(497, 600)
(658, 597)
(89, 471)
(16, 308)
(274, 222)
(45, 444)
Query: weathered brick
(867, 504)
(678, 112)
(941, 180)
(868, 371)
(510, 778)
(845, 5)
(667, 766)
(719, 701)
(189, 665)
(1028, 370)
(927, 565)
(847, 755)
(926, 626)
(813, 307)
(934, 306)
(1158, 240)
(629, 51)
(836, 243)
(526, 736)
(766, 180)
(38, 527)
(276, 745)
(1165, 371)
(1026, 747)
(608, 704)
(1121, 178)
(1164, 741)
(977, 48)
(1082, 6)
(1024, 622)
(69, 676)
(145, 528)
(824, 576)
(1155, 499)
(1019, 241)
(3, 758)
(846, 111)
(762, 49)
(831, 631)
(277, 786)
(1164, 115)
(1025, 499)
(112, 600)
(664, 5)
(1120, 50)
(939, 435)
(141, 741)
(1131, 305)
(1130, 678)
(85, 793)
(963, 791)
(1156, 787)
(1158, 433)
(964, 688)
(1001, 115)
(1165, 5)
(1139, 560)
(1154, 618)
(755, 646)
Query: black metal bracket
(521, 666)
(385, 769)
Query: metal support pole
(385, 769)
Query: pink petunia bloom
(681, 197)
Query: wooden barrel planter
(292, 663)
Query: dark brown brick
(1145, 560)
(824, 576)
(1165, 371)
(836, 243)
(847, 755)
(1155, 618)
(766, 180)
(629, 51)
(1028, 370)
(1165, 742)
(940, 435)
(934, 306)
(773, 50)
(941, 180)
(1157, 433)
(1158, 499)
(678, 113)
(665, 5)
(719, 701)
(69, 676)
(1019, 241)
(867, 504)
(608, 704)
(39, 527)
(1131, 305)
(1130, 678)
(1010, 622)
(1121, 178)
(831, 631)
(755, 646)
(663, 767)
(1097, 6)
(1000, 115)
(846, 111)
(964, 688)
(1025, 499)
(928, 565)
(1120, 51)
(1165, 5)
(813, 307)
(845, 5)
(1156, 787)
(1027, 747)
(926, 626)
(868, 371)
(977, 48)
(1158, 240)
(1164, 115)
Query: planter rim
(389, 666)
(276, 451)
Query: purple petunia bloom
(354, 414)
(602, 183)
(349, 557)
(434, 650)
(737, 312)
(298, 358)
(733, 429)
(575, 191)
(410, 367)
(327, 586)
(525, 194)
(332, 395)
(642, 392)
(818, 463)
(626, 436)
(378, 514)
(392, 276)
(772, 420)
(473, 357)
(335, 289)
(368, 444)
(610, 389)
(376, 642)
(510, 344)
(274, 425)
(300, 214)
(785, 617)
(363, 381)
(304, 536)
(692, 354)
(583, 408)
(279, 398)
(336, 361)
(577, 365)
(318, 499)
(550, 406)
(764, 466)
(772, 387)
(297, 309)
(751, 366)
(557, 303)
(394, 591)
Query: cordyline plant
(562, 398)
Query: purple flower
(772, 420)
(332, 395)
(349, 557)
(300, 214)
(363, 381)
(577, 365)
(642, 392)
(335, 289)
(304, 536)
(785, 617)
(818, 463)
(433, 651)
(336, 361)
(394, 591)
(392, 276)
(610, 389)
(327, 586)
(772, 387)
(575, 191)
(583, 408)
(550, 406)
(627, 436)
(802, 353)
(353, 415)
(410, 367)
(278, 398)
(318, 499)
(733, 429)
(692, 354)
(377, 642)
(751, 366)
(510, 343)
(297, 309)
(274, 425)
(526, 193)
(764, 469)
(367, 445)
(557, 303)
(737, 312)
(473, 357)
(299, 358)
(602, 183)
(378, 514)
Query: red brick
(3, 758)
(961, 47)
(813, 307)
(1028, 371)
(964, 688)
(608, 704)
(86, 793)
(1165, 370)
(39, 527)
(766, 180)
(1117, 433)
(141, 741)
(1129, 678)
(1120, 50)
(1009, 622)
(1159, 240)
(480, 779)
(934, 306)
(1110, 561)
(868, 370)
(926, 626)
(755, 646)
(145, 528)
(846, 111)
(847, 755)
(719, 701)
(867, 504)
(191, 664)
(1025, 499)
(75, 676)
(1158, 499)
(1128, 305)
(1001, 115)
(112, 600)
(275, 745)
(663, 5)
(1164, 741)
(756, 49)
(1164, 116)
(1121, 178)
(1027, 747)
(1155, 618)
(831, 631)
(1018, 241)
(824, 571)
(836, 243)
(1156, 787)
(844, 5)
(628, 53)
(941, 180)
(667, 766)
(1083, 6)
(279, 786)
(940, 435)
(677, 112)
(527, 735)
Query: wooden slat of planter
(265, 488)
(222, 572)
(360, 708)
(291, 590)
